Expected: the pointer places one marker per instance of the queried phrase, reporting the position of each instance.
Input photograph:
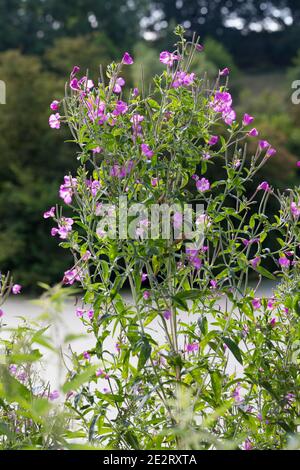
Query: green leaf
(145, 353)
(233, 347)
(79, 380)
(264, 272)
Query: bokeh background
(41, 40)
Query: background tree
(32, 164)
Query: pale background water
(67, 323)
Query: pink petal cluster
(295, 209)
(71, 276)
(67, 189)
(50, 213)
(222, 103)
(247, 119)
(127, 59)
(54, 395)
(203, 185)
(256, 303)
(183, 79)
(96, 109)
(121, 108)
(192, 347)
(16, 289)
(147, 151)
(224, 72)
(121, 172)
(64, 228)
(168, 58)
(120, 82)
(54, 121)
(54, 105)
(284, 261)
(264, 186)
(214, 139)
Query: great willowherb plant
(199, 358)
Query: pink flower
(273, 322)
(90, 314)
(195, 261)
(127, 59)
(74, 84)
(87, 255)
(97, 150)
(264, 186)
(79, 312)
(54, 105)
(199, 47)
(298, 164)
(16, 289)
(121, 108)
(270, 152)
(250, 242)
(256, 304)
(13, 369)
(144, 277)
(1, 313)
(54, 121)
(183, 79)
(264, 144)
(295, 208)
(191, 347)
(255, 262)
(100, 373)
(213, 140)
(86, 355)
(50, 213)
(247, 119)
(147, 151)
(95, 187)
(66, 190)
(71, 276)
(136, 119)
(168, 58)
(86, 84)
(120, 82)
(64, 228)
(75, 70)
(146, 295)
(54, 395)
(253, 132)
(224, 72)
(270, 304)
(154, 182)
(229, 117)
(135, 92)
(247, 445)
(203, 185)
(284, 262)
(213, 284)
(236, 395)
(167, 314)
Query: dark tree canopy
(215, 16)
(31, 25)
(270, 28)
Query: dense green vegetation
(41, 41)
